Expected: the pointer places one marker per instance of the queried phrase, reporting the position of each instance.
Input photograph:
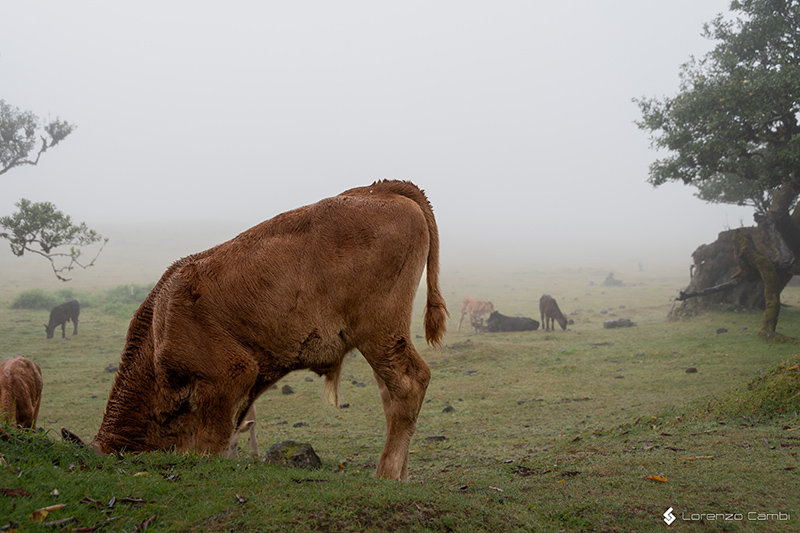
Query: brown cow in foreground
(20, 391)
(298, 291)
(476, 309)
(550, 312)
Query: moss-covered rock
(293, 453)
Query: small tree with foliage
(39, 228)
(732, 132)
(21, 132)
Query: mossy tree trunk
(751, 264)
(759, 262)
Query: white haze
(514, 116)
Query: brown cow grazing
(476, 309)
(298, 291)
(60, 315)
(550, 313)
(20, 391)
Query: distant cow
(298, 291)
(20, 391)
(498, 322)
(475, 309)
(248, 425)
(60, 315)
(551, 313)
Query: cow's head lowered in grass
(298, 291)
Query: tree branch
(73, 256)
(734, 281)
(19, 161)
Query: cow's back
(331, 267)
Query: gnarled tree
(39, 228)
(732, 132)
(21, 132)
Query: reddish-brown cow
(20, 391)
(298, 291)
(476, 309)
(550, 312)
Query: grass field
(588, 429)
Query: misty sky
(514, 116)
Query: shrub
(35, 299)
(123, 300)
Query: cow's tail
(435, 307)
(436, 313)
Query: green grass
(550, 431)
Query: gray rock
(618, 323)
(292, 453)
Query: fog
(515, 117)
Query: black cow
(551, 313)
(498, 322)
(60, 315)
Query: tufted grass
(544, 431)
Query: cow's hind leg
(402, 378)
(75, 324)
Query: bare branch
(734, 281)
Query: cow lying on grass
(60, 315)
(296, 292)
(475, 309)
(550, 313)
(498, 322)
(20, 391)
